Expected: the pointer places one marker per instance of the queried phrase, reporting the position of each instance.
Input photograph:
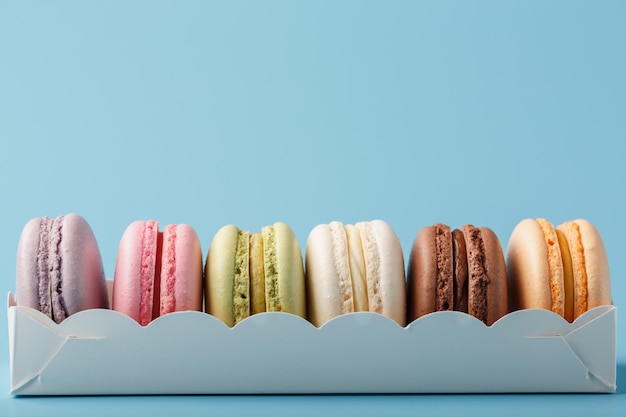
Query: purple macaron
(59, 268)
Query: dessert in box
(351, 338)
(157, 273)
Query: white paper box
(105, 352)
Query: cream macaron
(563, 269)
(354, 268)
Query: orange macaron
(563, 269)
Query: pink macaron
(156, 272)
(59, 268)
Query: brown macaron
(460, 270)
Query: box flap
(592, 343)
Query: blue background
(251, 112)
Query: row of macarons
(346, 268)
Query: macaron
(156, 272)
(248, 273)
(563, 269)
(354, 268)
(457, 270)
(59, 268)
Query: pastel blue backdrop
(251, 112)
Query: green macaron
(247, 273)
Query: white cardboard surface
(105, 352)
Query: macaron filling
(568, 277)
(459, 254)
(357, 268)
(257, 274)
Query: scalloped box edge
(103, 352)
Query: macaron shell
(27, 282)
(241, 278)
(556, 278)
(588, 253)
(497, 289)
(83, 281)
(444, 293)
(422, 274)
(181, 270)
(572, 235)
(288, 269)
(527, 267)
(137, 265)
(342, 265)
(597, 264)
(325, 298)
(384, 266)
(219, 273)
(487, 290)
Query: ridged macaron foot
(248, 273)
(563, 269)
(354, 268)
(59, 268)
(457, 270)
(156, 272)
